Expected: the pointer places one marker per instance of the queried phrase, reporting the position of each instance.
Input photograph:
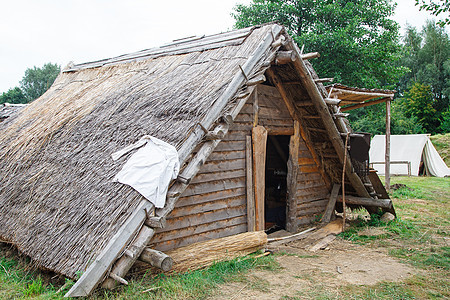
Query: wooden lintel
(280, 131)
(351, 107)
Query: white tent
(407, 151)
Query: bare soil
(341, 263)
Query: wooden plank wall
(312, 192)
(214, 204)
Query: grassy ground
(419, 237)
(441, 142)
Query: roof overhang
(352, 98)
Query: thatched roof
(57, 201)
(7, 110)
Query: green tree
(419, 101)
(14, 96)
(436, 8)
(357, 40)
(36, 81)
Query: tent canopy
(408, 150)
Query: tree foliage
(436, 8)
(357, 40)
(420, 102)
(36, 81)
(14, 96)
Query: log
(290, 238)
(292, 165)
(363, 201)
(157, 259)
(310, 55)
(124, 263)
(203, 254)
(284, 57)
(332, 101)
(259, 140)
(368, 103)
(321, 80)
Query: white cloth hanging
(149, 170)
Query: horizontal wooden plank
(311, 184)
(304, 220)
(311, 211)
(208, 206)
(213, 186)
(306, 161)
(308, 169)
(198, 229)
(231, 145)
(235, 135)
(215, 234)
(203, 218)
(207, 197)
(226, 155)
(316, 203)
(303, 193)
(207, 177)
(309, 176)
(222, 165)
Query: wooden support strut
(296, 115)
(157, 259)
(327, 119)
(284, 57)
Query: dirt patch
(344, 263)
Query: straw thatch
(9, 110)
(57, 202)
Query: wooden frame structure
(269, 89)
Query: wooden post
(387, 166)
(255, 107)
(251, 221)
(292, 165)
(259, 137)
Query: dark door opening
(277, 155)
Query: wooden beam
(310, 55)
(292, 166)
(368, 103)
(321, 80)
(280, 131)
(296, 115)
(327, 119)
(359, 93)
(251, 219)
(99, 267)
(284, 57)
(259, 139)
(364, 201)
(156, 259)
(332, 101)
(124, 263)
(331, 204)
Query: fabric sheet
(413, 148)
(150, 170)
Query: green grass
(18, 283)
(441, 142)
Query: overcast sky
(34, 32)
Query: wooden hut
(259, 141)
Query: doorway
(277, 155)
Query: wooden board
(259, 141)
(292, 181)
